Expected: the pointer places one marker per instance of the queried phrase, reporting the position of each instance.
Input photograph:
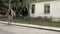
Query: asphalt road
(13, 29)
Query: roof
(42, 1)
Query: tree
(17, 5)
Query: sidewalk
(34, 26)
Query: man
(10, 15)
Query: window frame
(47, 8)
(33, 8)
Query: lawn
(49, 23)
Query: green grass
(49, 23)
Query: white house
(50, 9)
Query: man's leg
(9, 20)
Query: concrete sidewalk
(34, 26)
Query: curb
(34, 26)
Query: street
(13, 29)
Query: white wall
(54, 9)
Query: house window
(46, 8)
(33, 8)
